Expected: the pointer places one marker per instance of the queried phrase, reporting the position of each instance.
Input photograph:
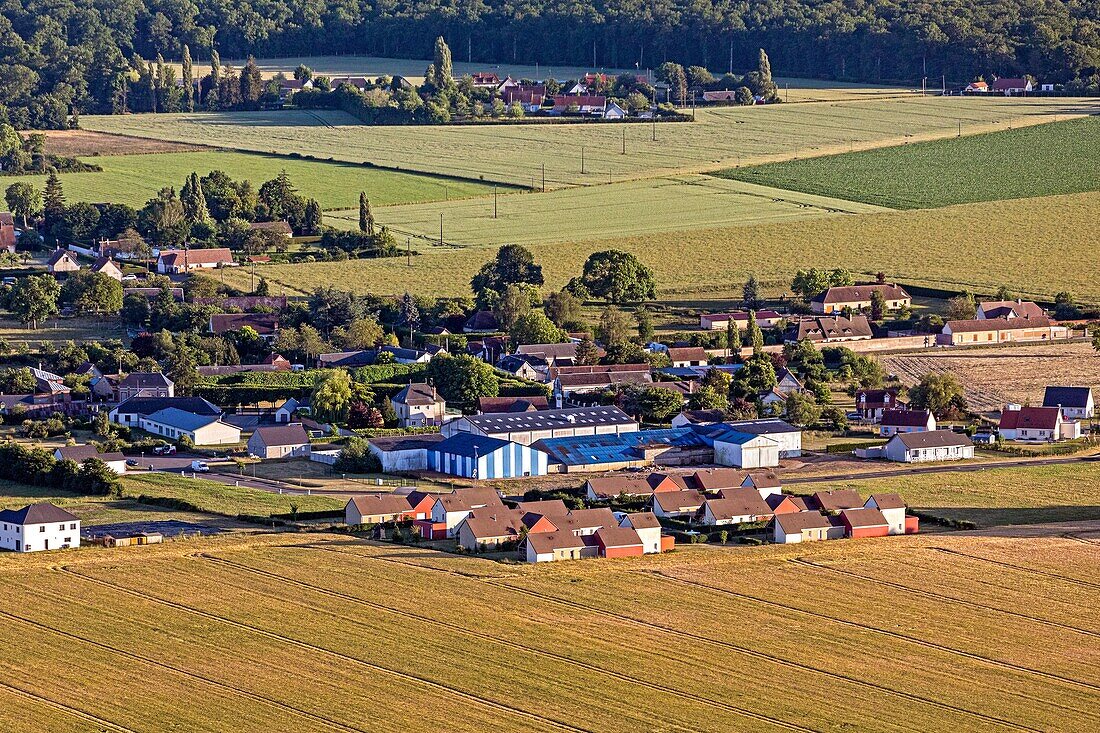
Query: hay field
(323, 633)
(993, 377)
(616, 210)
(1009, 164)
(953, 247)
(134, 179)
(721, 138)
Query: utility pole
(253, 277)
(441, 229)
(654, 125)
(731, 55)
(544, 177)
(582, 160)
(494, 202)
(624, 141)
(408, 252)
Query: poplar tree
(366, 216)
(212, 100)
(442, 65)
(188, 75)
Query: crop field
(931, 247)
(516, 154)
(993, 377)
(323, 633)
(1009, 164)
(134, 179)
(83, 143)
(601, 212)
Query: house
(699, 417)
(932, 445)
(976, 87)
(177, 261)
(173, 423)
(481, 457)
(990, 309)
(1000, 330)
(685, 356)
(721, 95)
(830, 330)
(555, 355)
(893, 511)
(107, 266)
(765, 319)
(287, 87)
(570, 381)
(284, 411)
(404, 452)
(717, 479)
(905, 421)
(132, 410)
(531, 368)
(1076, 402)
(857, 297)
(145, 384)
(737, 506)
(786, 435)
(48, 383)
(625, 484)
(38, 527)
(590, 105)
(61, 262)
(1010, 87)
(485, 79)
(527, 428)
(785, 504)
(449, 510)
(383, 507)
(80, 453)
(809, 526)
(555, 546)
(618, 541)
(279, 441)
(489, 528)
(482, 322)
(7, 232)
(1037, 424)
(367, 357)
(733, 447)
(529, 96)
(649, 531)
(871, 403)
(511, 404)
(419, 405)
(671, 504)
(834, 502)
(639, 449)
(265, 324)
(867, 522)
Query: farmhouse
(906, 421)
(80, 453)
(858, 297)
(481, 457)
(174, 424)
(61, 262)
(575, 380)
(1000, 330)
(830, 330)
(1009, 309)
(279, 441)
(590, 105)
(1037, 424)
(404, 452)
(38, 527)
(1076, 402)
(1010, 87)
(419, 405)
(976, 87)
(176, 261)
(529, 427)
(556, 355)
(932, 445)
(145, 384)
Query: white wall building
(38, 527)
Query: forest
(66, 57)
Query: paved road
(954, 468)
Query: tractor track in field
(942, 597)
(68, 709)
(1021, 568)
(185, 673)
(681, 634)
(997, 663)
(728, 707)
(1082, 540)
(407, 677)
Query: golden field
(324, 632)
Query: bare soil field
(76, 143)
(992, 377)
(325, 632)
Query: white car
(199, 466)
(129, 278)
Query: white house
(38, 527)
(736, 506)
(80, 453)
(929, 445)
(892, 508)
(173, 424)
(906, 421)
(647, 527)
(1076, 402)
(450, 509)
(419, 405)
(1037, 424)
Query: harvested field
(993, 377)
(324, 632)
(515, 154)
(81, 143)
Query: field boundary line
(942, 597)
(75, 712)
(728, 707)
(1021, 568)
(501, 582)
(407, 676)
(893, 634)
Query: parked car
(199, 466)
(164, 450)
(131, 462)
(129, 278)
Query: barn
(744, 450)
(481, 457)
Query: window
(68, 540)
(61, 528)
(42, 528)
(72, 526)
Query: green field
(134, 179)
(955, 247)
(602, 212)
(324, 632)
(1019, 163)
(516, 154)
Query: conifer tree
(366, 216)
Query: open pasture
(516, 154)
(936, 247)
(134, 179)
(1013, 163)
(616, 210)
(323, 632)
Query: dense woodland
(62, 56)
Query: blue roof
(467, 444)
(725, 434)
(176, 418)
(594, 449)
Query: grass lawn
(1016, 163)
(56, 330)
(954, 247)
(319, 632)
(720, 138)
(217, 498)
(134, 179)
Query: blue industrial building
(682, 446)
(481, 457)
